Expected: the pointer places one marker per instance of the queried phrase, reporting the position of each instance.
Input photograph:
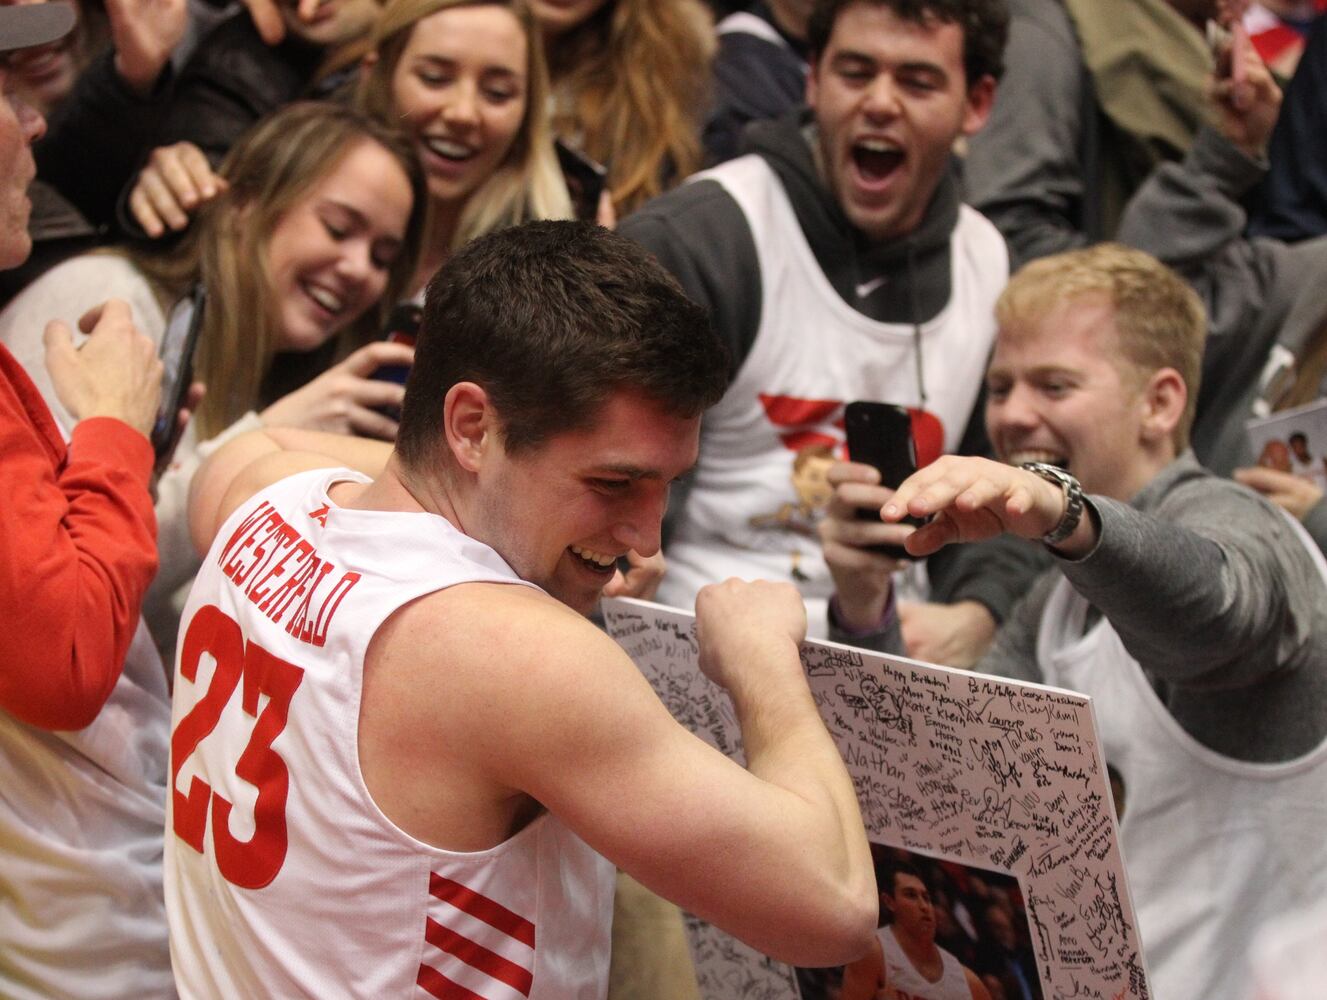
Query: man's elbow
(859, 916)
(840, 932)
(64, 708)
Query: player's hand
(144, 33)
(862, 578)
(1246, 103)
(952, 635)
(266, 15)
(976, 498)
(1285, 489)
(748, 628)
(642, 579)
(174, 182)
(343, 399)
(114, 373)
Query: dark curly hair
(985, 25)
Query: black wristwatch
(1073, 499)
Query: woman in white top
(314, 233)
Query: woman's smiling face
(461, 86)
(330, 255)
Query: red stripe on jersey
(482, 908)
(436, 984)
(478, 957)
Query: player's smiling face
(562, 513)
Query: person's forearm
(1184, 213)
(787, 745)
(1188, 607)
(78, 552)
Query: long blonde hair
(269, 171)
(633, 86)
(528, 184)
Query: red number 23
(253, 863)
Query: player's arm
(253, 461)
(546, 705)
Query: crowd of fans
(872, 200)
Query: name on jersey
(279, 572)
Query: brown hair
(632, 81)
(1159, 318)
(550, 319)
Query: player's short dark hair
(985, 25)
(889, 872)
(552, 318)
(1298, 436)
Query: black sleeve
(233, 79)
(1294, 204)
(97, 138)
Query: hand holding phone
(880, 435)
(402, 328)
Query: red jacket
(77, 552)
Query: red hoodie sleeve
(77, 552)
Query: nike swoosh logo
(866, 288)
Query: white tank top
(1213, 847)
(812, 354)
(305, 888)
(906, 983)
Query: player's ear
(468, 424)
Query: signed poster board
(994, 792)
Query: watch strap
(1073, 500)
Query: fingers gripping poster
(989, 812)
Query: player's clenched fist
(744, 625)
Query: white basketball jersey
(813, 353)
(904, 982)
(283, 879)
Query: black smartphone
(880, 434)
(586, 179)
(402, 328)
(177, 358)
